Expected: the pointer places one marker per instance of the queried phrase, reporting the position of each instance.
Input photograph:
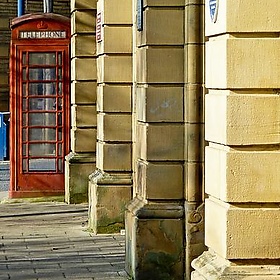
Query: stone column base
(155, 240)
(77, 169)
(108, 197)
(209, 266)
(195, 244)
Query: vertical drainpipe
(48, 6)
(21, 4)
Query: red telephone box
(39, 104)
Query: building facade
(147, 79)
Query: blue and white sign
(213, 7)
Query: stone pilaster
(155, 217)
(194, 130)
(110, 187)
(81, 161)
(241, 125)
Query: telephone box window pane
(43, 149)
(42, 89)
(24, 58)
(42, 74)
(24, 150)
(42, 164)
(60, 88)
(59, 74)
(42, 134)
(24, 119)
(24, 104)
(59, 149)
(24, 77)
(45, 104)
(24, 89)
(42, 119)
(59, 59)
(24, 165)
(42, 58)
(24, 131)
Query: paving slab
(50, 240)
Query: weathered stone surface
(83, 45)
(115, 98)
(83, 4)
(114, 69)
(114, 127)
(160, 254)
(83, 92)
(247, 16)
(250, 63)
(242, 175)
(113, 157)
(83, 69)
(115, 39)
(83, 116)
(170, 146)
(210, 266)
(230, 229)
(160, 104)
(160, 25)
(78, 167)
(160, 65)
(83, 140)
(239, 119)
(160, 181)
(83, 21)
(106, 215)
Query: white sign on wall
(213, 8)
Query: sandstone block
(160, 104)
(4, 50)
(115, 40)
(83, 140)
(83, 45)
(83, 69)
(116, 12)
(76, 187)
(161, 142)
(83, 4)
(114, 127)
(83, 21)
(231, 228)
(162, 27)
(160, 181)
(238, 119)
(242, 63)
(163, 3)
(246, 16)
(106, 215)
(117, 69)
(160, 65)
(242, 175)
(83, 92)
(83, 115)
(113, 157)
(114, 98)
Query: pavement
(50, 240)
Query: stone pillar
(110, 187)
(242, 126)
(81, 161)
(155, 217)
(194, 130)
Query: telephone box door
(39, 116)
